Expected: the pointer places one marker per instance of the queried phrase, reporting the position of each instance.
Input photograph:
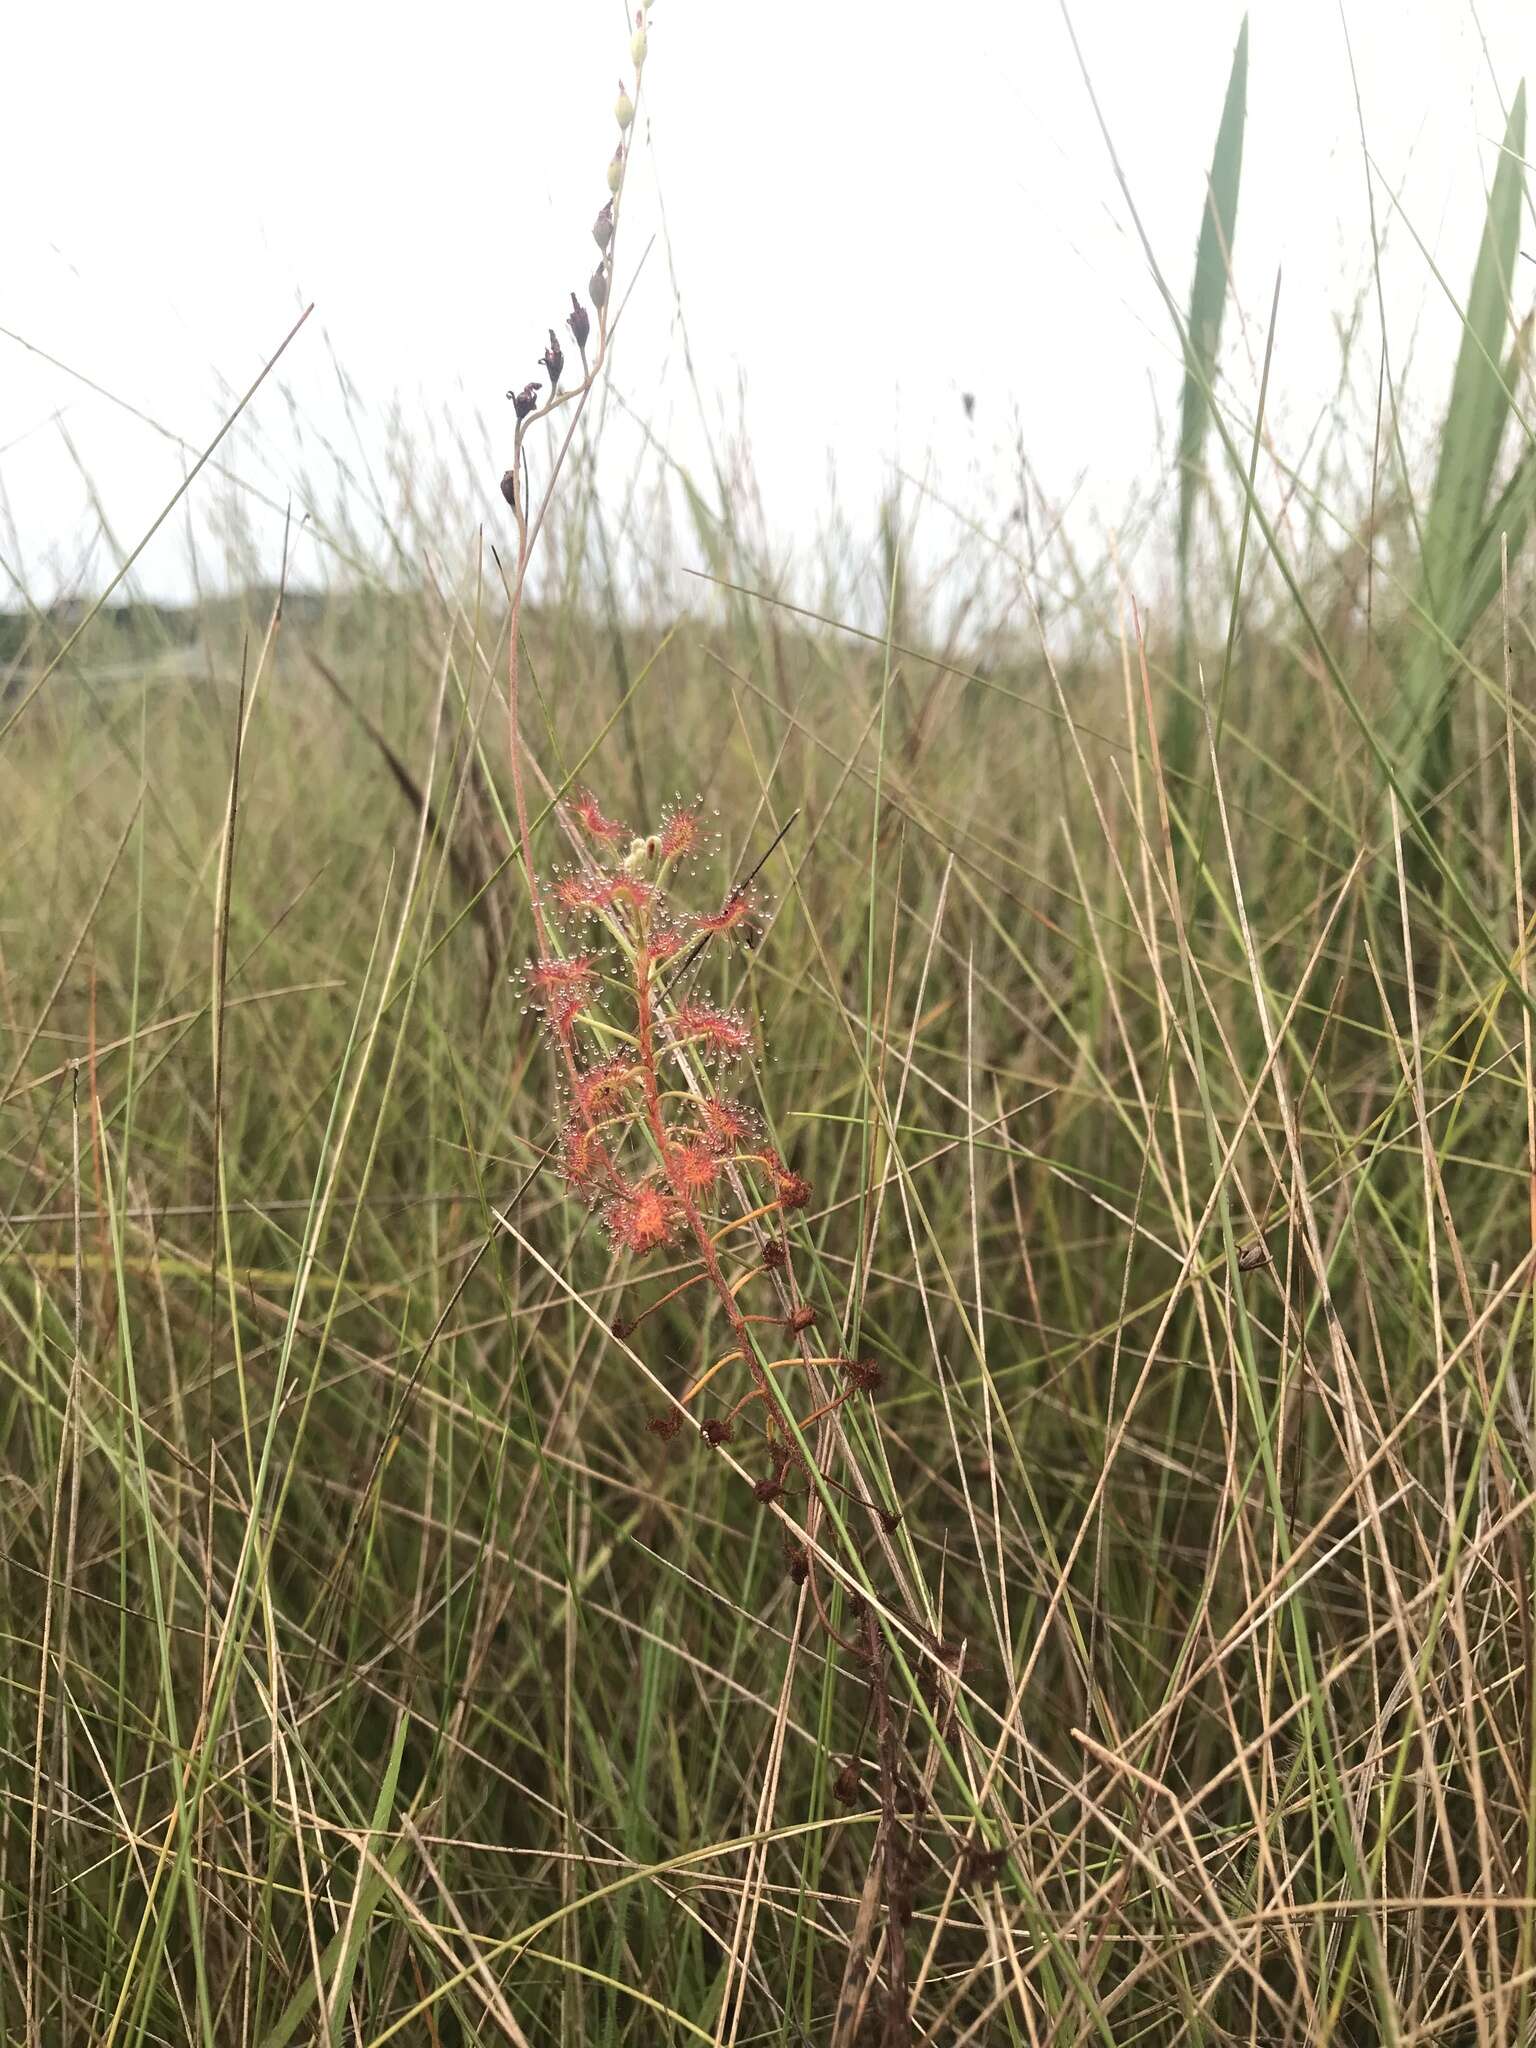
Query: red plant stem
(827, 1408)
(826, 1621)
(646, 1038)
(662, 1299)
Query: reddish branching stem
(646, 1139)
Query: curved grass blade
(1457, 584)
(1207, 306)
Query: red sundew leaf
(666, 941)
(791, 1190)
(562, 989)
(693, 1167)
(603, 1088)
(735, 910)
(723, 1034)
(588, 813)
(561, 977)
(643, 1218)
(562, 1012)
(680, 832)
(584, 892)
(726, 1124)
(634, 890)
(585, 1164)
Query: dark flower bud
(716, 1432)
(845, 1786)
(768, 1491)
(597, 286)
(862, 1374)
(509, 488)
(799, 1567)
(524, 401)
(602, 228)
(981, 1865)
(800, 1319)
(554, 362)
(579, 324)
(622, 1328)
(890, 1519)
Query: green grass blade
(1207, 306)
(346, 1946)
(1455, 564)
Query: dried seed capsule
(597, 287)
(981, 1865)
(845, 1786)
(579, 322)
(553, 360)
(602, 228)
(524, 401)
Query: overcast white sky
(870, 208)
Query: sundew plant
(670, 1159)
(764, 1292)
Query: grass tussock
(1132, 1641)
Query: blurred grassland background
(1155, 985)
